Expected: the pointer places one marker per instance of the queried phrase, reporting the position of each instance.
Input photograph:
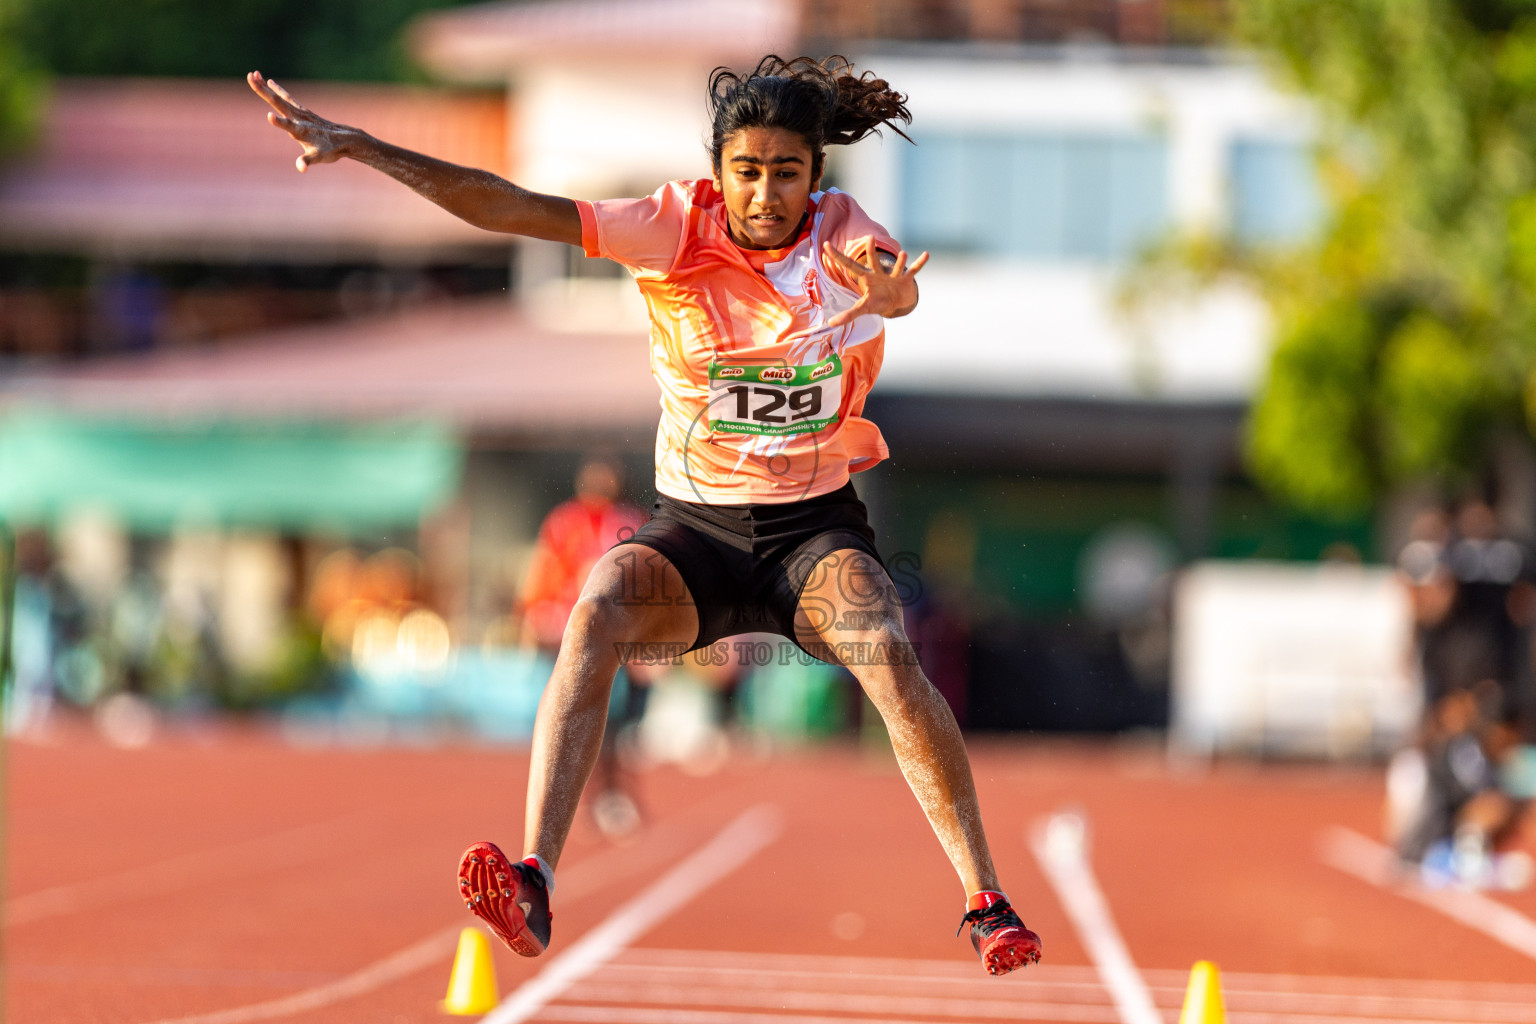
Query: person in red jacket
(573, 536)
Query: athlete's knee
(886, 662)
(597, 618)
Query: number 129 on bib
(776, 400)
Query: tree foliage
(1406, 327)
(21, 86)
(356, 40)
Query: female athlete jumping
(766, 300)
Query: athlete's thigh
(639, 588)
(847, 598)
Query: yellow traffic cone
(472, 986)
(1202, 1001)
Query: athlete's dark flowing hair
(822, 101)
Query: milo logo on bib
(776, 400)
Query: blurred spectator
(1449, 808)
(128, 646)
(372, 614)
(572, 538)
(34, 639)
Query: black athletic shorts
(745, 565)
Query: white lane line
(1059, 845)
(1039, 985)
(963, 968)
(887, 972)
(898, 1007)
(655, 985)
(1374, 1007)
(1039, 1000)
(1410, 997)
(1356, 855)
(588, 876)
(657, 1015)
(859, 1001)
(1326, 984)
(647, 1015)
(765, 973)
(722, 980)
(1237, 1017)
(737, 843)
(206, 867)
(428, 951)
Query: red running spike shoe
(508, 895)
(1001, 940)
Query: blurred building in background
(212, 362)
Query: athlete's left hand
(883, 291)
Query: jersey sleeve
(641, 233)
(853, 232)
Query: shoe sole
(489, 888)
(1010, 954)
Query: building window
(1036, 196)
(1274, 192)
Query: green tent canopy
(154, 475)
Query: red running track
(227, 878)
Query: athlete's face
(765, 177)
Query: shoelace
(997, 913)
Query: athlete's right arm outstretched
(478, 197)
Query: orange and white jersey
(759, 401)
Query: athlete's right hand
(323, 141)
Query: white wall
(1199, 108)
(1296, 659)
(597, 130)
(1052, 328)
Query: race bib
(777, 400)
